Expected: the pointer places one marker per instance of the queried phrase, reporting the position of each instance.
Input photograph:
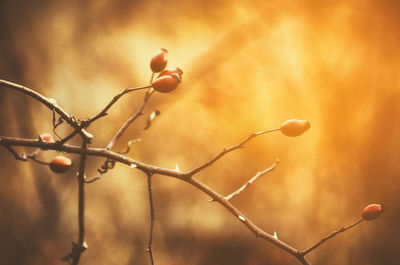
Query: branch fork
(113, 157)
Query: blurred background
(249, 66)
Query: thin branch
(84, 151)
(102, 113)
(151, 78)
(251, 181)
(25, 157)
(15, 154)
(109, 164)
(305, 252)
(130, 120)
(113, 101)
(152, 218)
(33, 158)
(78, 248)
(81, 245)
(149, 169)
(34, 154)
(99, 152)
(51, 104)
(150, 191)
(249, 224)
(151, 117)
(228, 150)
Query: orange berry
(372, 211)
(177, 70)
(295, 127)
(159, 61)
(166, 83)
(60, 164)
(47, 137)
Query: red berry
(159, 61)
(60, 164)
(177, 70)
(295, 127)
(166, 83)
(47, 137)
(372, 211)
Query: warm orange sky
(248, 66)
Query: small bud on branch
(295, 127)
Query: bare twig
(51, 104)
(99, 152)
(78, 248)
(130, 120)
(81, 245)
(151, 78)
(228, 150)
(81, 199)
(33, 158)
(150, 118)
(14, 153)
(113, 101)
(150, 169)
(305, 252)
(109, 164)
(249, 224)
(102, 113)
(138, 113)
(251, 181)
(25, 157)
(112, 157)
(152, 218)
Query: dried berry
(47, 137)
(166, 83)
(159, 61)
(60, 164)
(295, 127)
(372, 211)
